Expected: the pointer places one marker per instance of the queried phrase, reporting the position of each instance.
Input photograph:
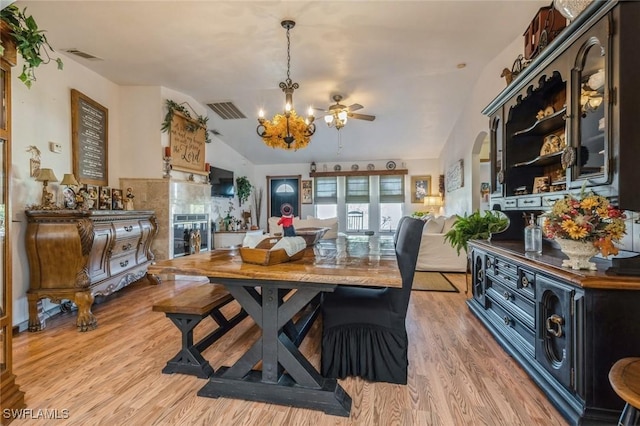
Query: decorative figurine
(287, 220)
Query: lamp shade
(69, 179)
(46, 175)
(433, 201)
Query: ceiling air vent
(83, 55)
(227, 110)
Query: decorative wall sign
(89, 139)
(455, 176)
(187, 144)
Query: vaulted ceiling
(399, 59)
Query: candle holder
(167, 167)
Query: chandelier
(287, 130)
(336, 119)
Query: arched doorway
(480, 173)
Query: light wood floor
(458, 375)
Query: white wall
(470, 125)
(39, 115)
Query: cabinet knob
(506, 295)
(554, 325)
(480, 275)
(125, 263)
(128, 228)
(525, 282)
(126, 247)
(507, 320)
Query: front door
(283, 190)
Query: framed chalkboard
(187, 145)
(89, 139)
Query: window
(357, 202)
(391, 190)
(326, 197)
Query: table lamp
(433, 202)
(69, 180)
(45, 176)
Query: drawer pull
(554, 325)
(489, 263)
(506, 295)
(525, 282)
(126, 247)
(128, 228)
(125, 263)
(506, 320)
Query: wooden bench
(186, 310)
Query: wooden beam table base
(302, 385)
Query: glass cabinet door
(5, 319)
(495, 154)
(589, 158)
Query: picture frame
(420, 188)
(89, 139)
(117, 199)
(540, 184)
(104, 199)
(91, 197)
(307, 192)
(34, 167)
(455, 176)
(69, 197)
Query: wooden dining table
(283, 300)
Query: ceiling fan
(337, 114)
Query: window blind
(391, 189)
(326, 190)
(357, 189)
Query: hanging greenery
(30, 42)
(244, 189)
(200, 121)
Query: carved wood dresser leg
(154, 279)
(86, 321)
(36, 319)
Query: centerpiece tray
(262, 254)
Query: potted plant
(475, 226)
(244, 189)
(30, 41)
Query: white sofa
(436, 254)
(309, 222)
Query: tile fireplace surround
(168, 197)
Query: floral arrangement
(588, 218)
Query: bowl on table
(311, 235)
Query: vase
(578, 252)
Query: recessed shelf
(545, 125)
(543, 160)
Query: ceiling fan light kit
(338, 114)
(288, 130)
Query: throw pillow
(448, 223)
(434, 225)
